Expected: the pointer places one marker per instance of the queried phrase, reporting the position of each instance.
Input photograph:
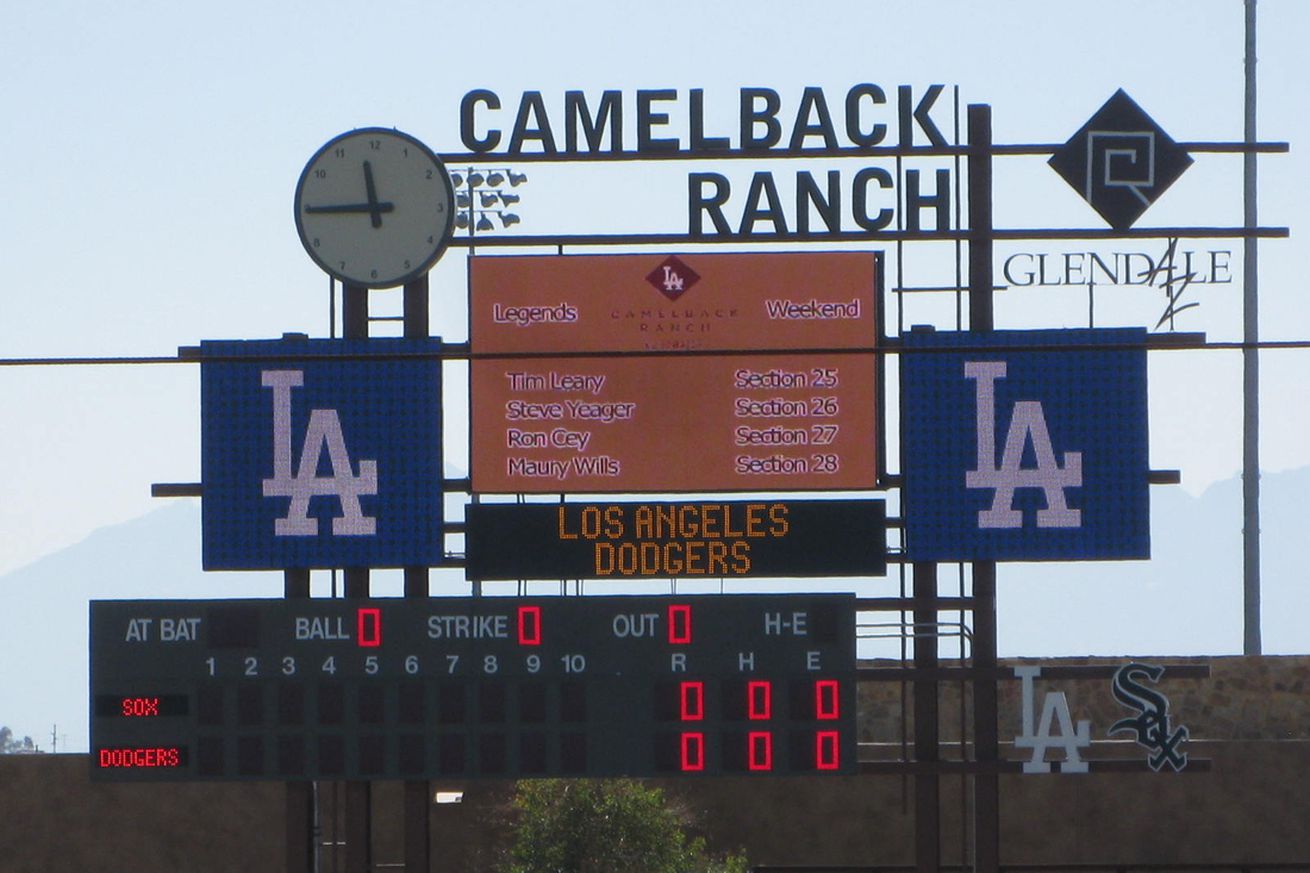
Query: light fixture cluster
(480, 194)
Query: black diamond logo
(673, 278)
(1121, 161)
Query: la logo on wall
(1025, 445)
(1051, 729)
(321, 453)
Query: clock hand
(374, 212)
(377, 206)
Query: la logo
(672, 281)
(1055, 711)
(1027, 425)
(323, 434)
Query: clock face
(374, 207)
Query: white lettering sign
(1055, 708)
(323, 433)
(1028, 423)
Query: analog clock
(374, 207)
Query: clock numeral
(375, 145)
(429, 174)
(406, 264)
(373, 274)
(320, 174)
(339, 152)
(341, 265)
(316, 242)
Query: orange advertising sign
(788, 405)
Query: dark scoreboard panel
(466, 688)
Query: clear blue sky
(152, 149)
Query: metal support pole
(416, 308)
(356, 582)
(986, 785)
(354, 311)
(359, 805)
(1251, 642)
(979, 169)
(418, 796)
(418, 851)
(927, 753)
(300, 795)
(359, 827)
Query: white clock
(374, 207)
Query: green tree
(11, 746)
(604, 826)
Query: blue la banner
(1025, 445)
(321, 453)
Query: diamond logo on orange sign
(673, 278)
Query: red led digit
(680, 624)
(826, 700)
(759, 700)
(760, 750)
(693, 700)
(529, 625)
(369, 625)
(693, 752)
(826, 755)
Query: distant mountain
(1186, 600)
(43, 650)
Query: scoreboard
(463, 688)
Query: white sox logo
(323, 433)
(1027, 423)
(1151, 725)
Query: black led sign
(467, 688)
(686, 539)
